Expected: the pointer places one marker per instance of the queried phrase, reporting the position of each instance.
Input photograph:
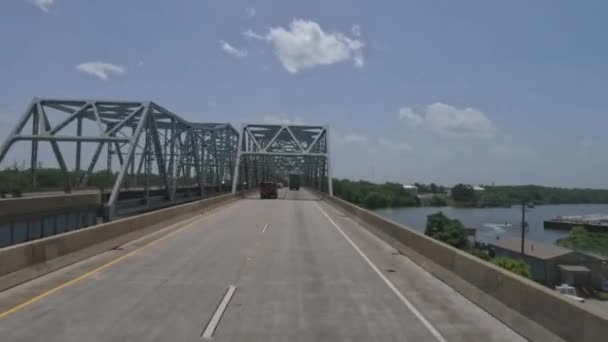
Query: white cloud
(42, 4)
(252, 35)
(231, 50)
(304, 45)
(450, 121)
(394, 145)
(100, 69)
(250, 12)
(282, 119)
(356, 30)
(408, 115)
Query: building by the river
(553, 265)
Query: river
(490, 222)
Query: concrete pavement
(303, 272)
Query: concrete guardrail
(534, 311)
(36, 252)
(27, 206)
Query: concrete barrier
(27, 206)
(533, 310)
(18, 257)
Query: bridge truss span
(271, 152)
(147, 148)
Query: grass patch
(580, 239)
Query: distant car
(294, 182)
(268, 190)
(280, 185)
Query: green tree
(376, 200)
(50, 178)
(422, 188)
(433, 188)
(463, 193)
(442, 228)
(14, 180)
(490, 198)
(373, 195)
(102, 180)
(480, 254)
(438, 201)
(513, 265)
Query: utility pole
(523, 226)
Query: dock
(594, 223)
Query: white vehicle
(569, 292)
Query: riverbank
(371, 195)
(491, 223)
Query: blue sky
(511, 92)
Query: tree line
(15, 181)
(390, 194)
(503, 195)
(371, 195)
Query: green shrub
(581, 239)
(442, 228)
(102, 180)
(516, 266)
(16, 192)
(480, 254)
(437, 201)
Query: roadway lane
(298, 278)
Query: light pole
(524, 226)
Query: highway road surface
(291, 269)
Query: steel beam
(173, 150)
(271, 152)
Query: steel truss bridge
(272, 152)
(150, 152)
(297, 258)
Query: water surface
(493, 222)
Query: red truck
(268, 190)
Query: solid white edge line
(264, 230)
(215, 319)
(405, 301)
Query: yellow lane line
(90, 273)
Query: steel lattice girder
(268, 152)
(141, 135)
